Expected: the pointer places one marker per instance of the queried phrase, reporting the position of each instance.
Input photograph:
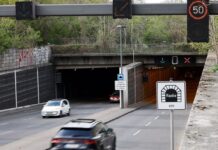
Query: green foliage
(57, 30)
(7, 2)
(16, 34)
(156, 31)
(100, 31)
(6, 29)
(201, 47)
(214, 68)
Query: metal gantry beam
(103, 9)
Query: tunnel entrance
(87, 84)
(189, 74)
(97, 84)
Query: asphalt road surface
(149, 129)
(16, 124)
(144, 129)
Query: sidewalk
(41, 140)
(202, 127)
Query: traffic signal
(122, 9)
(25, 10)
(197, 21)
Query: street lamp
(121, 27)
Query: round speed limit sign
(198, 10)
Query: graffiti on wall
(33, 56)
(16, 58)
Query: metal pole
(121, 65)
(171, 130)
(38, 94)
(121, 51)
(15, 87)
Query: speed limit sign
(198, 10)
(197, 21)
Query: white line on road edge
(147, 124)
(6, 132)
(137, 132)
(4, 123)
(156, 117)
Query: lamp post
(120, 27)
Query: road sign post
(171, 129)
(171, 95)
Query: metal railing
(127, 48)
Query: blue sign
(120, 77)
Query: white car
(56, 107)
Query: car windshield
(68, 132)
(53, 103)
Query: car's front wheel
(61, 114)
(68, 114)
(114, 145)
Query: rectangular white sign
(171, 94)
(120, 85)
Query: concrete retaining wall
(201, 131)
(135, 89)
(17, 58)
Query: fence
(26, 87)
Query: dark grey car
(86, 134)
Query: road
(149, 129)
(16, 124)
(146, 128)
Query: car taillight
(56, 141)
(89, 142)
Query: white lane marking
(156, 117)
(137, 132)
(6, 132)
(163, 112)
(4, 123)
(147, 124)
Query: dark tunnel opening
(89, 84)
(97, 84)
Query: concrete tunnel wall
(151, 76)
(141, 82)
(135, 88)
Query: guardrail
(126, 48)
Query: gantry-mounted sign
(197, 21)
(25, 10)
(184, 60)
(122, 9)
(171, 94)
(197, 12)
